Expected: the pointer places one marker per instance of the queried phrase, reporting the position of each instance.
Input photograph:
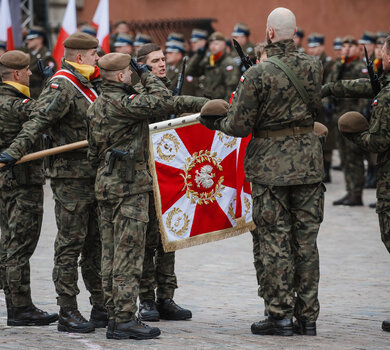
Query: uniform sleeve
(231, 78)
(349, 88)
(51, 106)
(21, 109)
(188, 104)
(92, 154)
(243, 111)
(377, 138)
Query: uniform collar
(109, 86)
(280, 47)
(23, 89)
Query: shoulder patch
(189, 78)
(54, 86)
(229, 67)
(374, 103)
(26, 100)
(132, 96)
(364, 71)
(50, 64)
(328, 58)
(242, 78)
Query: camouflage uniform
(189, 85)
(61, 107)
(351, 156)
(285, 168)
(119, 119)
(220, 79)
(21, 203)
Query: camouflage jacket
(267, 100)
(327, 64)
(377, 138)
(220, 80)
(189, 83)
(119, 119)
(15, 108)
(60, 112)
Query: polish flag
(69, 26)
(6, 25)
(101, 20)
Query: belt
(296, 130)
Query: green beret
(15, 59)
(81, 41)
(352, 122)
(217, 36)
(320, 129)
(214, 108)
(114, 61)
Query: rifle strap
(293, 78)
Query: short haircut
(283, 22)
(70, 54)
(145, 50)
(110, 74)
(5, 71)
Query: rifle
(180, 79)
(374, 79)
(246, 61)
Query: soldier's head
(316, 44)
(217, 43)
(174, 52)
(121, 27)
(15, 66)
(380, 41)
(81, 48)
(298, 37)
(386, 54)
(115, 66)
(241, 33)
(349, 47)
(124, 43)
(261, 54)
(281, 25)
(152, 55)
(198, 39)
(337, 46)
(368, 40)
(35, 38)
(140, 40)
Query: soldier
(159, 267)
(352, 157)
(88, 29)
(298, 39)
(367, 40)
(241, 33)
(124, 44)
(284, 163)
(35, 41)
(220, 71)
(375, 138)
(176, 37)
(21, 197)
(62, 107)
(337, 46)
(140, 40)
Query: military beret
(320, 129)
(216, 36)
(81, 41)
(214, 108)
(352, 122)
(15, 59)
(349, 39)
(114, 61)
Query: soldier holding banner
(62, 107)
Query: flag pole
(167, 124)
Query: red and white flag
(101, 20)
(69, 26)
(195, 185)
(6, 25)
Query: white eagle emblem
(204, 177)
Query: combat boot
(134, 329)
(353, 200)
(304, 328)
(148, 311)
(71, 320)
(110, 329)
(372, 205)
(10, 311)
(99, 316)
(30, 316)
(341, 200)
(169, 310)
(273, 326)
(386, 325)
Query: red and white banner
(101, 20)
(69, 26)
(6, 25)
(197, 174)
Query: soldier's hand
(139, 68)
(6, 159)
(209, 121)
(46, 72)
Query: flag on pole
(69, 26)
(101, 20)
(194, 173)
(6, 25)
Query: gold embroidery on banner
(205, 177)
(230, 141)
(167, 147)
(179, 221)
(231, 211)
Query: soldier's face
(23, 76)
(349, 50)
(126, 75)
(378, 50)
(156, 60)
(216, 46)
(90, 57)
(34, 44)
(196, 45)
(385, 57)
(241, 39)
(173, 58)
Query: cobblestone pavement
(217, 282)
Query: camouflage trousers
(21, 211)
(123, 227)
(383, 210)
(288, 219)
(257, 260)
(77, 236)
(159, 267)
(352, 160)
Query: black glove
(6, 159)
(209, 121)
(45, 72)
(139, 69)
